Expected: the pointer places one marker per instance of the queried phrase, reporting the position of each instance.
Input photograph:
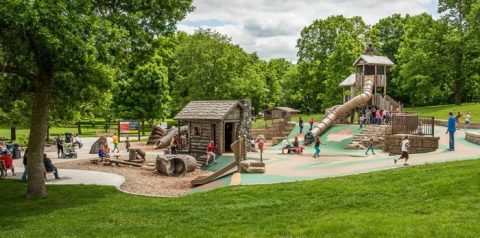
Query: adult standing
(25, 164)
(311, 124)
(451, 131)
(300, 124)
(59, 141)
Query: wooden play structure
(220, 121)
(175, 165)
(369, 89)
(240, 164)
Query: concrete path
(86, 177)
(71, 176)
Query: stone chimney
(370, 50)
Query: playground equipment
(102, 140)
(165, 141)
(157, 134)
(350, 105)
(239, 150)
(175, 165)
(370, 75)
(136, 156)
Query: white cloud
(272, 27)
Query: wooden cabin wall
(199, 143)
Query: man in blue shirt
(451, 131)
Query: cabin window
(196, 131)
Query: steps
(376, 132)
(277, 131)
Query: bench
(96, 160)
(45, 174)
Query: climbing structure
(368, 88)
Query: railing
(413, 124)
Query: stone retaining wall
(418, 144)
(473, 137)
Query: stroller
(69, 152)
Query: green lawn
(441, 112)
(437, 200)
(86, 131)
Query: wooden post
(118, 128)
(13, 133)
(385, 75)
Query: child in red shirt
(211, 153)
(8, 162)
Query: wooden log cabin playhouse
(221, 121)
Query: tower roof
(349, 81)
(373, 60)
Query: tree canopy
(58, 44)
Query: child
(362, 120)
(317, 147)
(127, 144)
(311, 124)
(467, 120)
(405, 147)
(116, 139)
(370, 147)
(211, 153)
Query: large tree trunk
(38, 128)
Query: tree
(457, 15)
(209, 67)
(145, 95)
(273, 71)
(319, 47)
(423, 76)
(44, 40)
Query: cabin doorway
(228, 136)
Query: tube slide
(348, 106)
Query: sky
(271, 27)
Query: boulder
(252, 167)
(102, 140)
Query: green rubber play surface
(334, 159)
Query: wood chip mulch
(141, 181)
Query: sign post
(129, 127)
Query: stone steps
(376, 132)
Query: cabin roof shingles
(206, 110)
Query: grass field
(437, 200)
(441, 112)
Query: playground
(175, 162)
(334, 161)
